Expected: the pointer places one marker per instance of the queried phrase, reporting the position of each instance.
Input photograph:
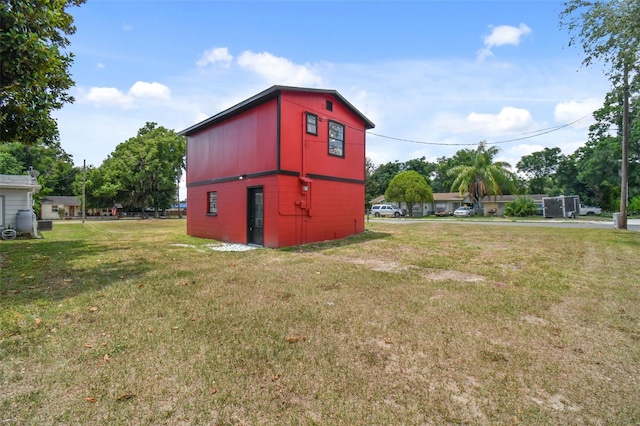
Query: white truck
(589, 210)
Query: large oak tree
(34, 68)
(608, 32)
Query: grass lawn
(134, 322)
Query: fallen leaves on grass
(92, 400)
(93, 309)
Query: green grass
(134, 322)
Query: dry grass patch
(427, 323)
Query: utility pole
(84, 183)
(624, 168)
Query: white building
(16, 199)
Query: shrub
(521, 206)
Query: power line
(537, 133)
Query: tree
(442, 181)
(57, 172)
(34, 69)
(143, 171)
(567, 182)
(380, 178)
(420, 165)
(410, 187)
(539, 169)
(483, 177)
(9, 165)
(602, 137)
(598, 167)
(608, 31)
(99, 192)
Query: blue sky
(438, 76)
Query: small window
(329, 106)
(213, 203)
(312, 124)
(336, 139)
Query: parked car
(464, 211)
(386, 210)
(589, 210)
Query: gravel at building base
(230, 247)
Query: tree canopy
(409, 187)
(608, 31)
(484, 176)
(34, 68)
(144, 171)
(539, 168)
(57, 172)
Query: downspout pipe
(34, 220)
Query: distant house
(282, 168)
(59, 207)
(444, 203)
(494, 205)
(16, 202)
(177, 210)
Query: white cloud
(113, 97)
(107, 96)
(127, 27)
(501, 35)
(142, 89)
(508, 119)
(568, 112)
(277, 70)
(216, 55)
(100, 66)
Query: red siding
(241, 145)
(333, 211)
(230, 224)
(246, 144)
(316, 158)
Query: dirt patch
(532, 319)
(448, 275)
(380, 265)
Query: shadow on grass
(46, 271)
(329, 244)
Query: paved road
(632, 224)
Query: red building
(284, 167)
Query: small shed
(16, 199)
(282, 168)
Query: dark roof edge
(264, 96)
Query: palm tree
(483, 177)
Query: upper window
(336, 139)
(329, 106)
(312, 124)
(213, 203)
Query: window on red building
(213, 203)
(336, 139)
(312, 124)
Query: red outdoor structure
(284, 167)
